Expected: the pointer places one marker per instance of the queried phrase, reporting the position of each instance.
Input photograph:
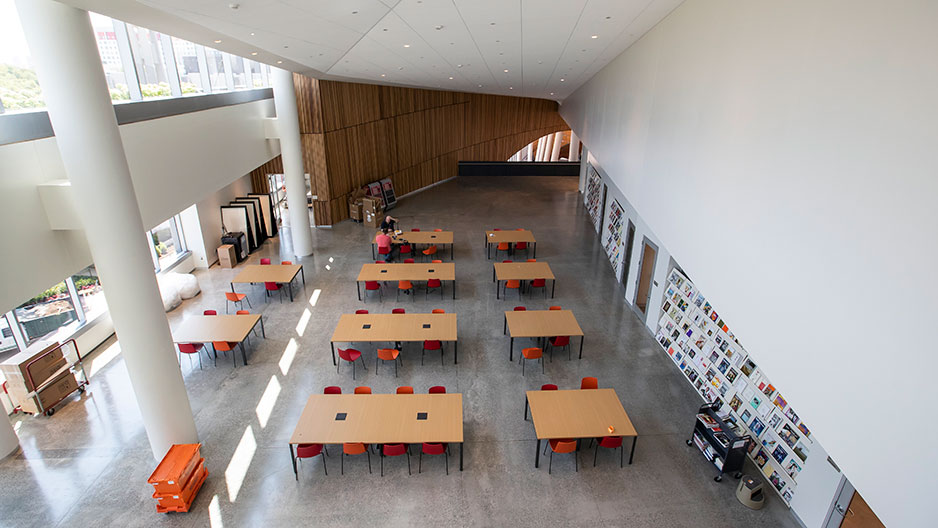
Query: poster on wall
(594, 195)
(613, 237)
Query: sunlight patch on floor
(315, 297)
(289, 353)
(214, 514)
(304, 320)
(240, 462)
(268, 400)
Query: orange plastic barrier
(178, 478)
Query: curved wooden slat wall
(354, 134)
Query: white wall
(784, 151)
(174, 161)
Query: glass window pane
(164, 243)
(19, 86)
(238, 73)
(47, 312)
(90, 293)
(7, 342)
(110, 57)
(257, 75)
(187, 62)
(216, 70)
(149, 57)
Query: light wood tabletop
(444, 271)
(395, 327)
(279, 273)
(208, 328)
(422, 237)
(380, 419)
(504, 271)
(579, 414)
(511, 236)
(542, 323)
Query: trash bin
(749, 493)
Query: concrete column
(583, 170)
(291, 150)
(574, 147)
(538, 146)
(62, 44)
(545, 152)
(555, 146)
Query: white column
(291, 150)
(62, 44)
(537, 149)
(583, 169)
(548, 147)
(529, 151)
(574, 147)
(555, 147)
(542, 146)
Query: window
(216, 70)
(238, 72)
(7, 342)
(90, 294)
(106, 34)
(19, 86)
(190, 63)
(150, 61)
(167, 243)
(46, 313)
(258, 75)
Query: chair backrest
(532, 260)
(393, 449)
(438, 310)
(242, 312)
(232, 296)
(362, 390)
(189, 348)
(532, 352)
(437, 389)
(611, 442)
(503, 246)
(433, 344)
(405, 390)
(345, 353)
(556, 308)
(380, 262)
(308, 450)
(589, 383)
(387, 354)
(430, 250)
(272, 286)
(519, 229)
(408, 261)
(265, 262)
(438, 230)
(404, 285)
(563, 446)
(356, 448)
(361, 312)
(433, 449)
(548, 386)
(406, 248)
(286, 262)
(507, 261)
(520, 308)
(496, 229)
(561, 341)
(436, 261)
(415, 229)
(398, 311)
(332, 389)
(372, 285)
(209, 312)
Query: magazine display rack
(720, 441)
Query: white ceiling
(547, 46)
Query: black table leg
(455, 352)
(632, 453)
(358, 291)
(461, 444)
(553, 287)
(581, 346)
(244, 355)
(293, 459)
(332, 345)
(497, 288)
(291, 291)
(505, 326)
(511, 349)
(454, 288)
(525, 408)
(537, 455)
(303, 274)
(373, 256)
(534, 249)
(452, 252)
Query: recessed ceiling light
(253, 53)
(385, 29)
(218, 42)
(400, 67)
(511, 87)
(451, 78)
(234, 6)
(561, 80)
(607, 18)
(497, 41)
(595, 36)
(438, 28)
(285, 47)
(459, 65)
(501, 53)
(506, 71)
(383, 75)
(252, 33)
(354, 12)
(451, 43)
(491, 23)
(279, 62)
(406, 45)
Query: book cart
(718, 443)
(46, 379)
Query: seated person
(383, 240)
(389, 223)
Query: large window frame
(179, 244)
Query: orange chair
(532, 353)
(503, 246)
(432, 449)
(432, 345)
(433, 284)
(589, 383)
(332, 389)
(512, 284)
(361, 312)
(437, 389)
(538, 283)
(610, 442)
(351, 355)
(439, 311)
(430, 251)
(353, 449)
(398, 311)
(286, 262)
(438, 230)
(409, 261)
(310, 451)
(225, 346)
(388, 354)
(436, 262)
(237, 298)
(406, 286)
(559, 342)
(555, 308)
(373, 286)
(362, 390)
(265, 262)
(192, 348)
(270, 287)
(562, 446)
(394, 450)
(405, 390)
(532, 260)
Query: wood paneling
(259, 175)
(354, 134)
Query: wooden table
(380, 419)
(440, 238)
(512, 236)
(445, 271)
(578, 414)
(541, 323)
(279, 273)
(208, 328)
(522, 271)
(370, 328)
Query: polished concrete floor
(87, 465)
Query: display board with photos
(702, 345)
(613, 242)
(594, 195)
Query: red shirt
(383, 240)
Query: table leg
(291, 291)
(497, 288)
(493, 273)
(511, 349)
(525, 408)
(373, 255)
(461, 444)
(505, 326)
(537, 455)
(455, 352)
(454, 288)
(244, 355)
(553, 287)
(581, 346)
(303, 274)
(534, 250)
(452, 252)
(293, 459)
(358, 291)
(263, 332)
(332, 345)
(632, 453)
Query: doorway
(851, 511)
(629, 240)
(646, 273)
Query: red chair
(415, 230)
(236, 298)
(610, 442)
(437, 389)
(385, 250)
(532, 353)
(539, 283)
(562, 446)
(394, 450)
(548, 386)
(272, 286)
(589, 383)
(398, 311)
(362, 390)
(406, 249)
(507, 261)
(373, 286)
(405, 390)
(388, 354)
(432, 449)
(496, 229)
(439, 311)
(380, 262)
(351, 355)
(432, 345)
(265, 262)
(332, 389)
(353, 449)
(310, 451)
(555, 308)
(209, 312)
(361, 312)
(409, 261)
(192, 348)
(520, 309)
(433, 284)
(559, 342)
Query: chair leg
(382, 463)
(200, 361)
(622, 455)
(420, 460)
(446, 462)
(395, 369)
(595, 453)
(522, 366)
(369, 461)
(542, 363)
(226, 308)
(248, 299)
(408, 464)
(324, 470)
(551, 463)
(353, 369)
(343, 463)
(422, 354)
(576, 462)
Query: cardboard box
(227, 258)
(19, 368)
(372, 205)
(48, 395)
(355, 211)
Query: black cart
(723, 448)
